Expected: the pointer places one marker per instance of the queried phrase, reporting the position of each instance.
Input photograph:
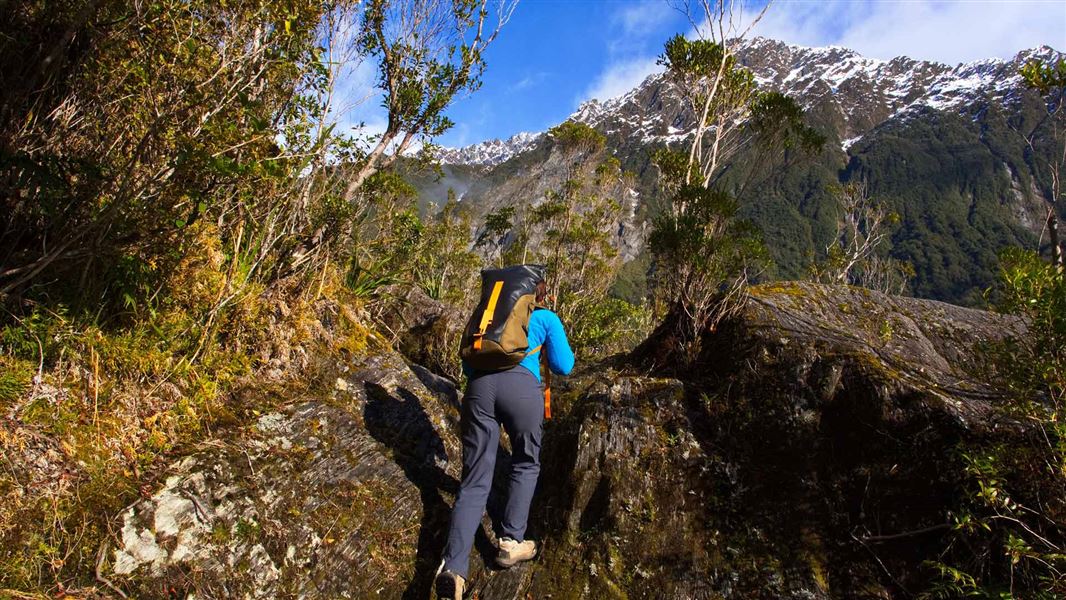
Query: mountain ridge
(916, 83)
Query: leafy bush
(700, 248)
(609, 326)
(1009, 535)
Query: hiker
(508, 337)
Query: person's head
(542, 291)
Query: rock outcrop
(815, 426)
(426, 331)
(332, 497)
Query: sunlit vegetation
(189, 238)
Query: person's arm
(560, 356)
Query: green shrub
(1008, 534)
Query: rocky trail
(805, 455)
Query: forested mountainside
(944, 147)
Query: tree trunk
(1053, 233)
(369, 167)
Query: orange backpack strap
(486, 317)
(547, 386)
(547, 381)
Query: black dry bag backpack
(495, 336)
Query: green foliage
(965, 186)
(574, 226)
(609, 326)
(775, 140)
(855, 255)
(573, 232)
(575, 138)
(777, 121)
(1007, 535)
(719, 92)
(84, 408)
(385, 241)
(166, 131)
(419, 74)
(631, 281)
(943, 174)
(178, 112)
(177, 196)
(16, 376)
(1044, 77)
(701, 244)
(1037, 290)
(1049, 80)
(427, 53)
(113, 405)
(698, 61)
(446, 268)
(370, 281)
(497, 224)
(673, 167)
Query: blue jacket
(545, 330)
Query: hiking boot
(512, 552)
(449, 586)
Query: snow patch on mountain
(491, 152)
(864, 91)
(848, 143)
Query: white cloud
(458, 136)
(949, 32)
(620, 77)
(643, 18)
(528, 81)
(633, 48)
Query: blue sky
(554, 54)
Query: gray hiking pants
(511, 398)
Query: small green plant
(246, 530)
(885, 330)
(16, 377)
(608, 326)
(367, 283)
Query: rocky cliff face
(815, 427)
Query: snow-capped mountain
(945, 147)
(863, 92)
(490, 152)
